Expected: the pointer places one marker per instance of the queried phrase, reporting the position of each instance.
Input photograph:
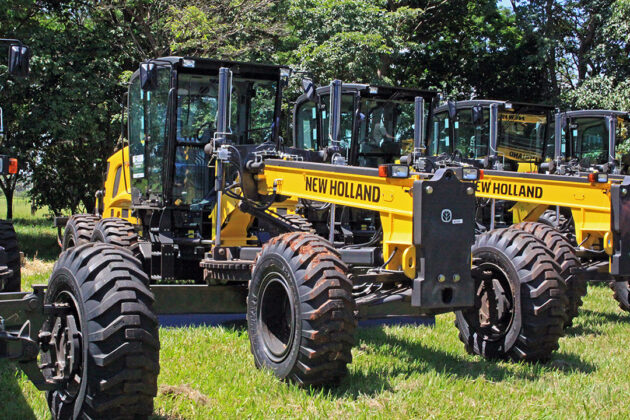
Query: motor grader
(212, 215)
(475, 134)
(570, 186)
(586, 140)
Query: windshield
(589, 139)
(385, 131)
(252, 111)
(196, 106)
(521, 137)
(347, 106)
(253, 106)
(471, 133)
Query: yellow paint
(114, 206)
(394, 203)
(588, 202)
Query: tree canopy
(64, 119)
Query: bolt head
(429, 189)
(624, 192)
(470, 190)
(456, 278)
(441, 278)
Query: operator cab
(173, 116)
(376, 128)
(175, 112)
(463, 129)
(591, 137)
(376, 122)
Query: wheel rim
(276, 320)
(62, 357)
(494, 312)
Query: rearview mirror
(148, 76)
(1, 127)
(477, 115)
(308, 87)
(19, 56)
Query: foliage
(64, 120)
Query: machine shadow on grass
(13, 405)
(592, 320)
(37, 238)
(414, 356)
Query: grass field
(398, 372)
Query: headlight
(598, 177)
(393, 171)
(471, 174)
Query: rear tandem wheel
(564, 254)
(521, 299)
(103, 344)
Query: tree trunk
(7, 184)
(9, 196)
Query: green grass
(398, 372)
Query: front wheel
(300, 310)
(103, 345)
(521, 298)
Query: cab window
(306, 135)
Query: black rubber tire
(535, 286)
(300, 222)
(564, 254)
(115, 231)
(79, 230)
(300, 283)
(9, 241)
(621, 293)
(119, 334)
(6, 274)
(550, 218)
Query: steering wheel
(198, 134)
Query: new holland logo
(446, 216)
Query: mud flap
(620, 223)
(443, 233)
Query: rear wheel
(300, 310)
(621, 294)
(79, 229)
(564, 254)
(115, 231)
(11, 282)
(299, 222)
(520, 305)
(550, 218)
(103, 344)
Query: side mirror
(148, 76)
(285, 75)
(308, 87)
(452, 110)
(19, 56)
